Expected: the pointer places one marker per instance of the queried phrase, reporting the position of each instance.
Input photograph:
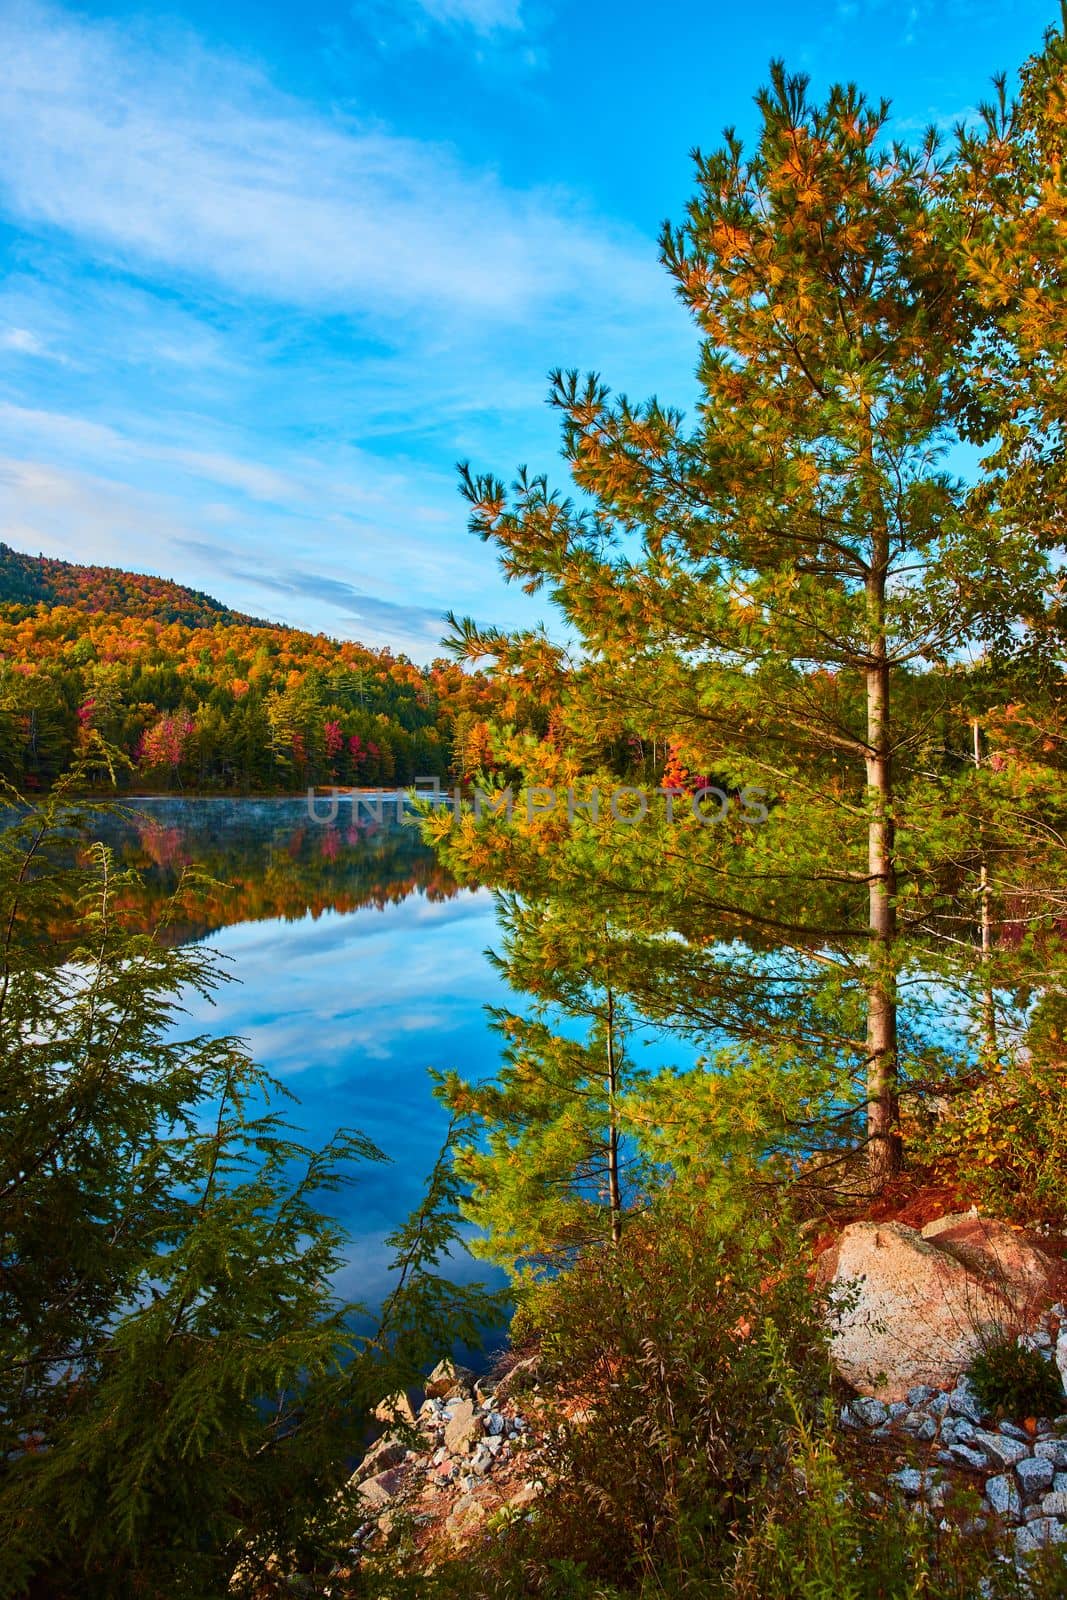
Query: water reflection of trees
(231, 868)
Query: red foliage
(164, 744)
(676, 774)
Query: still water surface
(357, 964)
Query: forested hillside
(26, 580)
(199, 697)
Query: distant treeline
(28, 580)
(200, 697)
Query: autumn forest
(194, 696)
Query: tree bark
(883, 1134)
(614, 1186)
(989, 1008)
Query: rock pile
(1019, 1468)
(466, 1455)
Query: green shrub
(823, 1537)
(669, 1415)
(180, 1386)
(692, 1452)
(828, 1532)
(1015, 1382)
(1003, 1143)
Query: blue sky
(265, 275)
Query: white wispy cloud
(178, 158)
(21, 340)
(484, 16)
(337, 556)
(95, 439)
(81, 516)
(945, 122)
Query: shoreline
(320, 794)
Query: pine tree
(551, 1170)
(1012, 181)
(781, 582)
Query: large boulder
(377, 1492)
(1008, 1257)
(912, 1312)
(380, 1457)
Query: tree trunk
(989, 1008)
(883, 1135)
(614, 1186)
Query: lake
(357, 965)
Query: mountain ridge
(27, 580)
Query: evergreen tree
(552, 1171)
(180, 1388)
(1008, 225)
(781, 583)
